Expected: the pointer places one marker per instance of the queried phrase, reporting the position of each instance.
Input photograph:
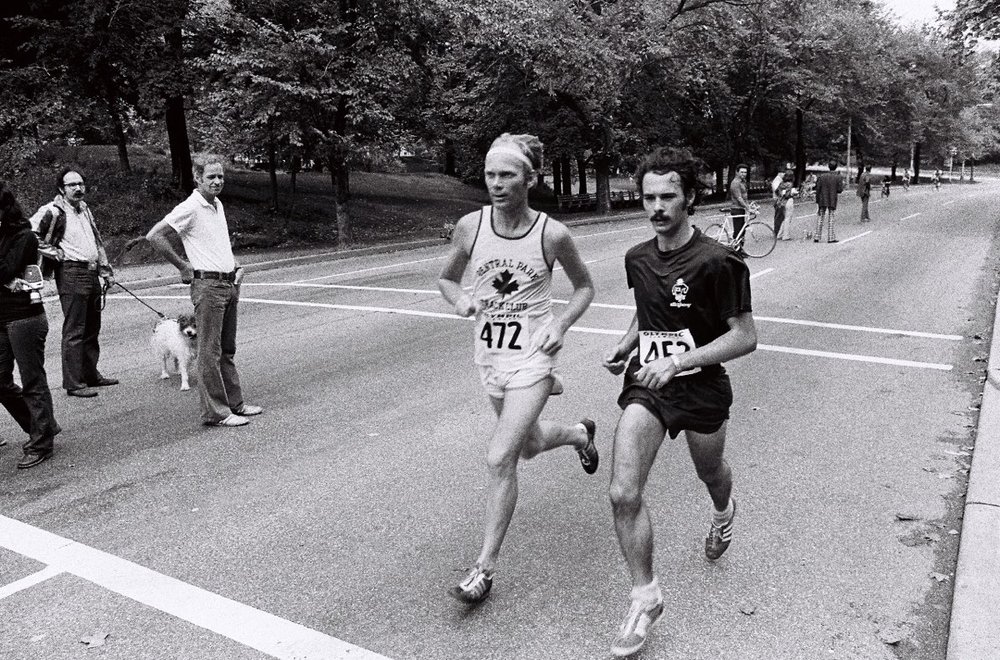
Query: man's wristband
(676, 360)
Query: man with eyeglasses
(72, 250)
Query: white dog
(175, 341)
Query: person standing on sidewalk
(865, 192)
(829, 185)
(23, 329)
(693, 312)
(739, 198)
(72, 247)
(512, 249)
(215, 279)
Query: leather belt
(89, 265)
(214, 275)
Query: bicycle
(758, 238)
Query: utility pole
(849, 152)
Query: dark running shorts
(698, 403)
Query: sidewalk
(975, 610)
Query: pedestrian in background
(74, 251)
(215, 277)
(23, 329)
(787, 193)
(829, 185)
(865, 192)
(741, 206)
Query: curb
(975, 609)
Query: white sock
(720, 518)
(648, 593)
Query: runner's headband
(514, 152)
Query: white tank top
(513, 286)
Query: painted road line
(351, 287)
(861, 328)
(855, 358)
(277, 637)
(848, 240)
(30, 581)
(949, 203)
(599, 331)
(910, 216)
(558, 301)
(368, 270)
(763, 272)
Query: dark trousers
(22, 342)
(779, 216)
(738, 222)
(215, 310)
(80, 297)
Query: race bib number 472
(654, 345)
(503, 333)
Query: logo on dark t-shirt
(679, 290)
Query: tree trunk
(272, 170)
(602, 172)
(177, 135)
(449, 157)
(556, 176)
(120, 139)
(972, 169)
(340, 181)
(581, 169)
(800, 148)
(916, 162)
(567, 182)
(720, 181)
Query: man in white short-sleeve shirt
(214, 276)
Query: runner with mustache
(512, 249)
(693, 312)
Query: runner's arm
(159, 239)
(739, 340)
(450, 280)
(615, 360)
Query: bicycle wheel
(717, 231)
(758, 239)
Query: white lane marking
(561, 301)
(910, 216)
(763, 272)
(598, 331)
(855, 358)
(861, 328)
(30, 581)
(241, 623)
(949, 203)
(353, 287)
(848, 240)
(368, 270)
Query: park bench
(577, 202)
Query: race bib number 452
(503, 333)
(654, 345)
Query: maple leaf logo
(505, 284)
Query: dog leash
(157, 312)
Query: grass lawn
(385, 207)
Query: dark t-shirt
(689, 293)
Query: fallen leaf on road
(906, 516)
(748, 609)
(891, 635)
(755, 408)
(95, 640)
(372, 435)
(946, 476)
(939, 577)
(953, 532)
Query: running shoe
(717, 541)
(588, 455)
(634, 629)
(474, 588)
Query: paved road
(332, 525)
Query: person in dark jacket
(23, 328)
(828, 186)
